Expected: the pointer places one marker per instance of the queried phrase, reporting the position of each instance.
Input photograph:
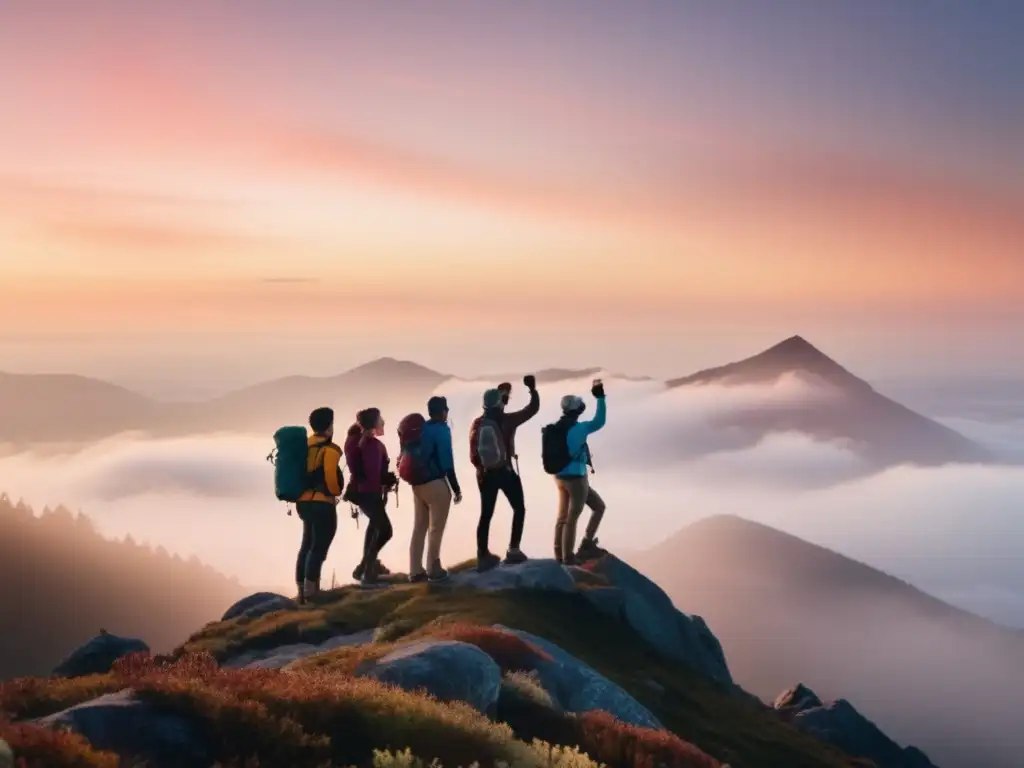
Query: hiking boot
(515, 556)
(569, 559)
(382, 570)
(589, 550)
(418, 578)
(436, 573)
(370, 576)
(486, 561)
(301, 599)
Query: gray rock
(650, 612)
(98, 655)
(841, 725)
(577, 687)
(259, 604)
(611, 601)
(449, 670)
(799, 698)
(533, 574)
(283, 655)
(123, 723)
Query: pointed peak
(795, 346)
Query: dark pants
(490, 483)
(319, 524)
(379, 530)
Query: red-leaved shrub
(34, 745)
(510, 652)
(614, 743)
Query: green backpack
(289, 459)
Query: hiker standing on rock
(492, 451)
(368, 463)
(317, 507)
(566, 455)
(428, 465)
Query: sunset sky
(213, 178)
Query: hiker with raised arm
(566, 455)
(492, 452)
(428, 466)
(317, 506)
(371, 482)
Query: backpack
(554, 446)
(291, 450)
(413, 466)
(491, 448)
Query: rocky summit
(527, 665)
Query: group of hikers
(426, 463)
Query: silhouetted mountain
(386, 383)
(786, 610)
(57, 407)
(848, 409)
(61, 581)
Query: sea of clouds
(954, 531)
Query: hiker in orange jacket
(317, 507)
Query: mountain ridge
(786, 610)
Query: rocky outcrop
(446, 669)
(533, 574)
(98, 655)
(650, 612)
(123, 723)
(841, 725)
(259, 604)
(577, 687)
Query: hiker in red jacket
(492, 452)
(368, 463)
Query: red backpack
(412, 464)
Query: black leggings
(490, 483)
(319, 524)
(379, 530)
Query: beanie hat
(573, 404)
(437, 405)
(321, 420)
(492, 398)
(368, 418)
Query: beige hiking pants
(431, 502)
(573, 494)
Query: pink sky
(180, 168)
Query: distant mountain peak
(792, 355)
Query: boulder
(283, 655)
(577, 687)
(98, 655)
(533, 574)
(650, 612)
(446, 669)
(841, 725)
(123, 723)
(258, 604)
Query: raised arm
(592, 426)
(516, 418)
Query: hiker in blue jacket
(573, 482)
(433, 498)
